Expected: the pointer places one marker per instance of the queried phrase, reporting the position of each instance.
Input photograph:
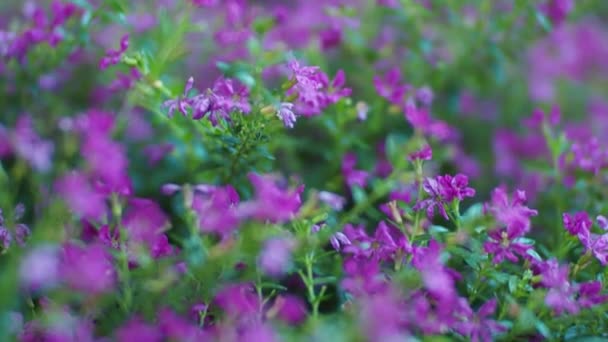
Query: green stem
(123, 257)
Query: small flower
(273, 201)
(5, 238)
(275, 257)
(425, 153)
(182, 103)
(590, 294)
(39, 269)
(335, 201)
(391, 87)
(577, 224)
(338, 240)
(480, 326)
(88, 269)
(137, 330)
(503, 244)
(513, 214)
(285, 113)
(113, 57)
(443, 190)
(353, 176)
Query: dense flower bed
(307, 170)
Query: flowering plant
(353, 170)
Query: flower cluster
(341, 170)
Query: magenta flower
(113, 57)
(137, 330)
(443, 190)
(28, 145)
(421, 120)
(80, 197)
(273, 200)
(290, 309)
(513, 214)
(353, 176)
(437, 279)
(503, 244)
(88, 269)
(177, 328)
(182, 103)
(238, 300)
(217, 209)
(275, 258)
(313, 88)
(425, 153)
(144, 220)
(557, 10)
(479, 327)
(577, 224)
(589, 294)
(391, 87)
(561, 294)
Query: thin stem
(123, 257)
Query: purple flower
(560, 296)
(273, 201)
(391, 87)
(557, 10)
(577, 224)
(88, 269)
(425, 153)
(338, 239)
(22, 232)
(590, 294)
(137, 330)
(435, 276)
(443, 190)
(424, 96)
(29, 146)
(478, 327)
(144, 221)
(5, 238)
(513, 214)
(335, 201)
(80, 197)
(39, 269)
(182, 103)
(290, 309)
(285, 113)
(217, 210)
(421, 120)
(177, 328)
(502, 244)
(113, 57)
(238, 300)
(353, 176)
(313, 88)
(275, 258)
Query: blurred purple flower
(275, 257)
(137, 330)
(353, 176)
(273, 201)
(112, 57)
(88, 269)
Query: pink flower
(443, 190)
(273, 201)
(137, 330)
(113, 57)
(88, 269)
